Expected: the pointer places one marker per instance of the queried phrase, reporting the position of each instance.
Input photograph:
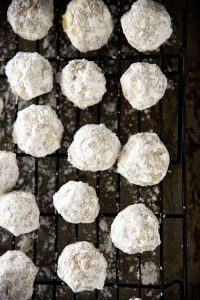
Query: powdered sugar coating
(19, 212)
(17, 275)
(143, 85)
(29, 74)
(88, 24)
(147, 25)
(94, 148)
(37, 130)
(135, 230)
(77, 202)
(31, 19)
(83, 83)
(9, 171)
(82, 267)
(144, 160)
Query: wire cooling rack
(114, 59)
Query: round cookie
(19, 212)
(94, 148)
(144, 160)
(37, 130)
(77, 202)
(147, 25)
(88, 24)
(83, 83)
(135, 230)
(143, 85)
(82, 267)
(31, 19)
(29, 75)
(17, 275)
(9, 171)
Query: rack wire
(98, 57)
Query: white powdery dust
(110, 106)
(151, 197)
(82, 267)
(25, 244)
(31, 19)
(83, 83)
(48, 45)
(107, 293)
(147, 25)
(135, 230)
(149, 273)
(143, 85)
(29, 74)
(94, 148)
(88, 24)
(47, 225)
(171, 85)
(144, 160)
(1, 107)
(106, 247)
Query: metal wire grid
(162, 287)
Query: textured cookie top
(88, 24)
(29, 75)
(17, 274)
(83, 83)
(19, 212)
(94, 148)
(37, 130)
(77, 202)
(143, 85)
(144, 160)
(31, 19)
(82, 267)
(135, 230)
(9, 171)
(147, 25)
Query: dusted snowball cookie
(143, 85)
(82, 267)
(147, 25)
(83, 83)
(144, 160)
(77, 202)
(31, 19)
(9, 171)
(30, 75)
(94, 148)
(88, 24)
(17, 275)
(37, 130)
(19, 212)
(135, 230)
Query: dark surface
(193, 153)
(44, 176)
